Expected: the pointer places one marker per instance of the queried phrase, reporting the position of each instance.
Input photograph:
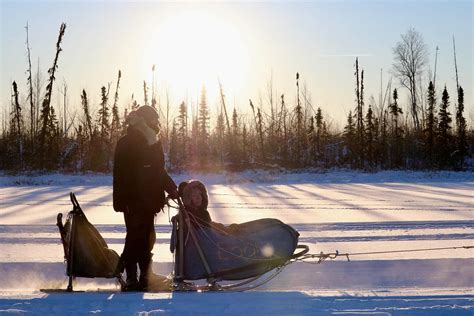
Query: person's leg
(145, 259)
(131, 250)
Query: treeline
(276, 133)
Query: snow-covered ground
(345, 211)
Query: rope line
(333, 255)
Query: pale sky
(242, 43)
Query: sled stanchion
(70, 255)
(74, 201)
(181, 245)
(59, 223)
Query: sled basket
(237, 252)
(85, 250)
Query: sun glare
(193, 49)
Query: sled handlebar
(74, 202)
(177, 201)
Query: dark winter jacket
(140, 179)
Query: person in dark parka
(139, 184)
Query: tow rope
(333, 255)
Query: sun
(194, 49)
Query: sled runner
(85, 251)
(252, 252)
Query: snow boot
(132, 279)
(151, 282)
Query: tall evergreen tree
(87, 116)
(103, 113)
(370, 132)
(259, 129)
(102, 149)
(359, 112)
(16, 128)
(397, 132)
(46, 135)
(430, 126)
(350, 139)
(282, 131)
(382, 151)
(174, 148)
(299, 144)
(313, 153)
(182, 135)
(235, 145)
(461, 137)
(245, 145)
(319, 120)
(444, 144)
(203, 129)
(115, 127)
(219, 138)
(145, 93)
(30, 87)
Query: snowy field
(345, 211)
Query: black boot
(150, 281)
(145, 271)
(132, 279)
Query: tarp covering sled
(85, 250)
(236, 252)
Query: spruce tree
(203, 130)
(382, 154)
(370, 132)
(299, 127)
(16, 128)
(444, 145)
(87, 116)
(259, 129)
(145, 93)
(430, 126)
(376, 141)
(174, 148)
(102, 144)
(103, 113)
(245, 145)
(46, 135)
(325, 147)
(319, 132)
(313, 153)
(282, 130)
(261, 135)
(219, 138)
(397, 132)
(359, 112)
(115, 127)
(182, 135)
(461, 139)
(235, 143)
(349, 139)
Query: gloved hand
(174, 195)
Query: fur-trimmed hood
(185, 189)
(136, 121)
